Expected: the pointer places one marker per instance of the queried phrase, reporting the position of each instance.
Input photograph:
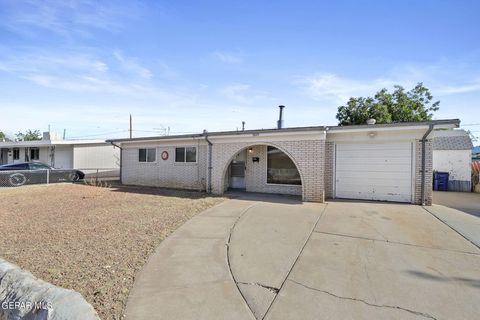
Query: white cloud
(88, 84)
(331, 86)
(68, 18)
(441, 79)
(77, 72)
(228, 57)
(132, 65)
(237, 93)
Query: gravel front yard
(90, 239)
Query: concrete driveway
(468, 202)
(460, 211)
(276, 258)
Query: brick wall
(329, 169)
(428, 172)
(308, 155)
(165, 173)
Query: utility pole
(64, 133)
(243, 125)
(130, 126)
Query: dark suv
(18, 174)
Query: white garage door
(374, 171)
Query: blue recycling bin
(440, 181)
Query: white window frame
(185, 153)
(146, 155)
(280, 184)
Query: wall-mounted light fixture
(250, 150)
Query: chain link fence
(18, 178)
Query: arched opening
(265, 168)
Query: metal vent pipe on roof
(280, 118)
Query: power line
(99, 134)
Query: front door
(237, 175)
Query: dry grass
(93, 240)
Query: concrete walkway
(276, 258)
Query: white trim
(414, 157)
(334, 168)
(266, 138)
(47, 143)
(393, 128)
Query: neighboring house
(452, 154)
(373, 162)
(85, 155)
(476, 153)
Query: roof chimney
(280, 118)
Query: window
(186, 154)
(34, 154)
(147, 155)
(16, 154)
(280, 168)
(38, 166)
(20, 166)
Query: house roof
(45, 143)
(448, 123)
(222, 133)
(455, 122)
(452, 143)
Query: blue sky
(193, 65)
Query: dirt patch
(93, 240)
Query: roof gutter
(424, 140)
(121, 149)
(209, 168)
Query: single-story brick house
(388, 162)
(452, 153)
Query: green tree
(2, 136)
(29, 135)
(385, 107)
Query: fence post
(48, 176)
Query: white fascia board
(177, 142)
(46, 143)
(270, 136)
(25, 144)
(375, 136)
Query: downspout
(121, 149)
(209, 168)
(424, 140)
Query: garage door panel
(374, 146)
(375, 187)
(374, 195)
(373, 153)
(373, 162)
(358, 178)
(374, 171)
(376, 167)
